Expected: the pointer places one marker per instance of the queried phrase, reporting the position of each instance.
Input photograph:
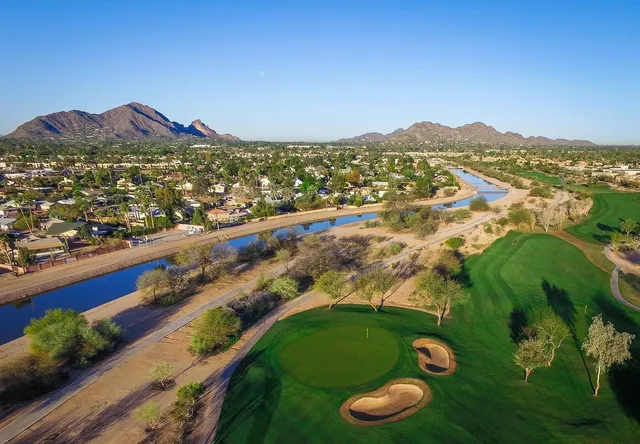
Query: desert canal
(91, 293)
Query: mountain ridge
(427, 132)
(131, 121)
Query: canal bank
(94, 292)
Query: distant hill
(426, 132)
(132, 121)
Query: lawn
(609, 209)
(542, 177)
(485, 400)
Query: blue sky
(320, 70)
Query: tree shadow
(83, 429)
(560, 302)
(517, 322)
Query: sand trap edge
(426, 399)
(422, 359)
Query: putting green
(326, 358)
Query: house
(64, 229)
(70, 201)
(6, 223)
(40, 245)
(220, 188)
(380, 184)
(100, 229)
(217, 215)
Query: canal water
(91, 293)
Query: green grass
(609, 209)
(326, 358)
(542, 177)
(486, 399)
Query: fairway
(542, 177)
(340, 356)
(485, 399)
(609, 209)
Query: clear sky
(321, 70)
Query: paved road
(615, 289)
(29, 418)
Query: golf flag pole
(367, 333)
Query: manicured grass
(542, 177)
(609, 209)
(340, 356)
(486, 399)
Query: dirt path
(615, 289)
(27, 419)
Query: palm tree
(123, 209)
(7, 244)
(23, 201)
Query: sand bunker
(435, 357)
(393, 401)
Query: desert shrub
(488, 229)
(160, 373)
(454, 242)
(150, 414)
(66, 335)
(263, 282)
(394, 248)
(461, 214)
(285, 287)
(214, 330)
(28, 376)
(253, 306)
(371, 223)
(185, 407)
(479, 204)
(544, 192)
(251, 252)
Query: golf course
(542, 177)
(610, 207)
(292, 384)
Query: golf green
(486, 399)
(325, 358)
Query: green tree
(284, 255)
(333, 284)
(160, 373)
(66, 335)
(151, 282)
(628, 226)
(199, 256)
(150, 413)
(607, 346)
(531, 354)
(214, 330)
(434, 291)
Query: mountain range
(131, 121)
(427, 132)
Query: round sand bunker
(435, 357)
(393, 401)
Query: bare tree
(283, 255)
(606, 346)
(531, 354)
(552, 330)
(549, 216)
